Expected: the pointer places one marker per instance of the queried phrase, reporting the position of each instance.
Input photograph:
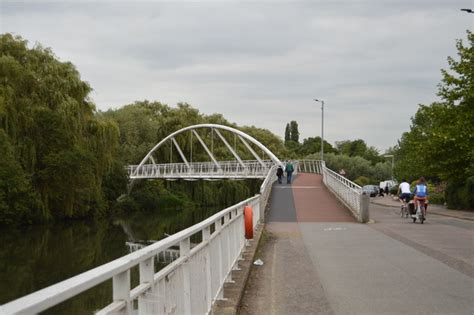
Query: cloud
(258, 62)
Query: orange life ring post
(248, 221)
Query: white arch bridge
(211, 145)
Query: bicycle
(420, 211)
(404, 210)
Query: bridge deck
(317, 260)
(307, 200)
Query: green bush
(394, 190)
(437, 193)
(362, 181)
(459, 195)
(470, 192)
(437, 198)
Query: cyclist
(421, 193)
(404, 195)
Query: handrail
(266, 189)
(199, 170)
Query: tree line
(63, 159)
(440, 142)
(361, 163)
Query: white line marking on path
(298, 187)
(335, 229)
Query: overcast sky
(258, 62)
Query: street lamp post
(390, 156)
(322, 127)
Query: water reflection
(34, 258)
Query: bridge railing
(188, 285)
(266, 189)
(345, 190)
(201, 170)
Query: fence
(266, 189)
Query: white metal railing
(188, 285)
(201, 170)
(310, 166)
(266, 189)
(347, 191)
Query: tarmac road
(315, 264)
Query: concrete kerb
(433, 211)
(234, 291)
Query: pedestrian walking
(279, 174)
(289, 171)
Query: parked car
(371, 190)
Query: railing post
(147, 272)
(206, 235)
(235, 239)
(228, 245)
(258, 212)
(218, 228)
(121, 289)
(364, 207)
(184, 248)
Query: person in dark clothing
(386, 189)
(289, 171)
(279, 174)
(381, 192)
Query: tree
(287, 133)
(313, 145)
(440, 143)
(19, 204)
(354, 166)
(46, 114)
(294, 133)
(267, 138)
(359, 148)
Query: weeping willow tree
(62, 147)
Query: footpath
(315, 259)
(389, 201)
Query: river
(36, 257)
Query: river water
(36, 257)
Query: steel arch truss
(214, 169)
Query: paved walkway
(318, 260)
